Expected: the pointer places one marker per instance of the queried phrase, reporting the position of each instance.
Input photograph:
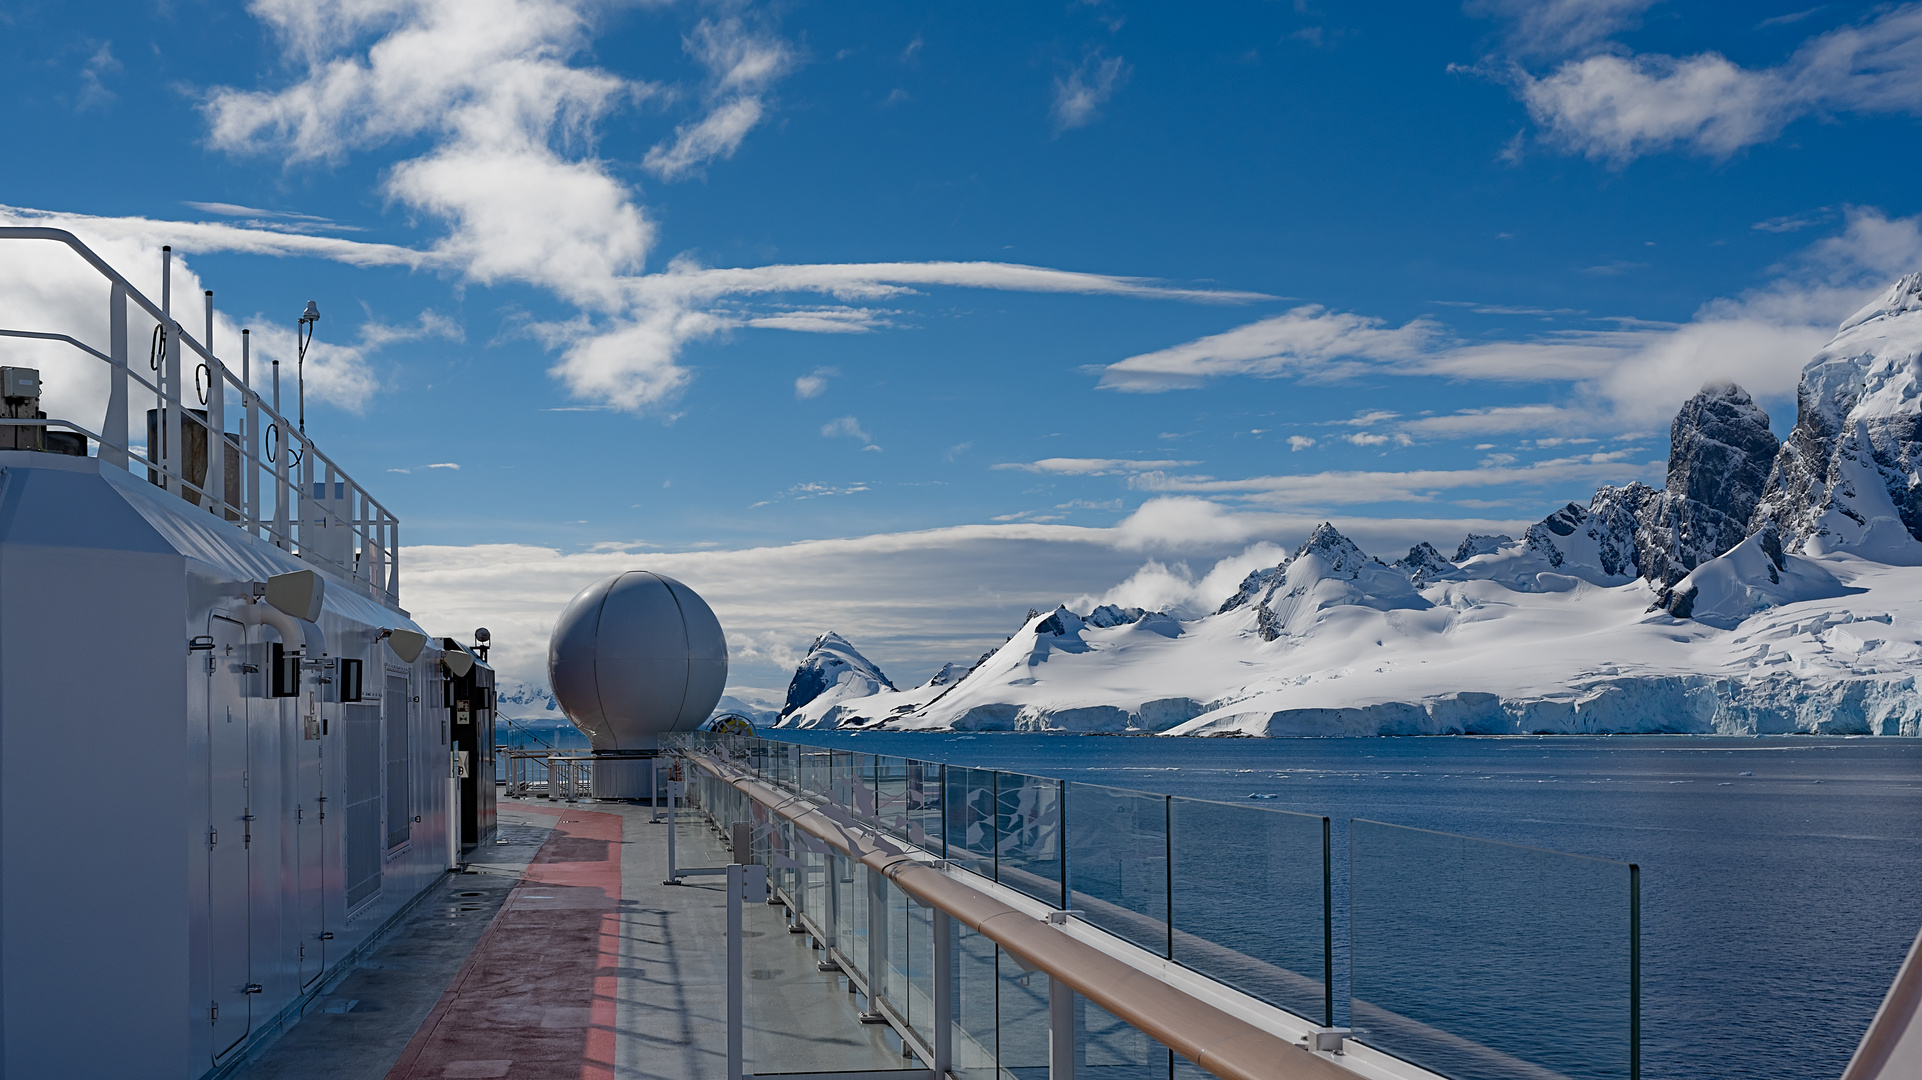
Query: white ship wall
(121, 926)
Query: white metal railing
(551, 774)
(267, 478)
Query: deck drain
(468, 894)
(765, 973)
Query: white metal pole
(250, 434)
(173, 455)
(114, 429)
(216, 422)
(279, 532)
(736, 988)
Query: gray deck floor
(670, 1005)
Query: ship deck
(560, 953)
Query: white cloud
(1080, 94)
(1351, 488)
(1300, 442)
(93, 89)
(1551, 27)
(1616, 107)
(1309, 340)
(851, 428)
(742, 64)
(1067, 466)
(879, 590)
(495, 90)
(813, 384)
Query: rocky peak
(1112, 615)
(1720, 455)
(1477, 544)
(832, 662)
(1424, 564)
(1720, 451)
(1253, 587)
(1339, 552)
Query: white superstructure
(224, 747)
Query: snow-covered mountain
(1763, 588)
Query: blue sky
(1161, 282)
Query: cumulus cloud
(1626, 377)
(1080, 94)
(509, 113)
(813, 384)
(1300, 442)
(1616, 105)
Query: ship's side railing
(267, 478)
(1204, 928)
(549, 774)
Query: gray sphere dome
(636, 656)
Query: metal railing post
(877, 946)
(736, 985)
(1061, 1041)
(113, 448)
(943, 1025)
(673, 789)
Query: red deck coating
(535, 1001)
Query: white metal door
(308, 841)
(228, 923)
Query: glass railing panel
(891, 794)
(926, 798)
(1108, 1048)
(851, 939)
(1118, 862)
(799, 1019)
(919, 922)
(976, 1035)
(1250, 897)
(1490, 961)
(895, 984)
(1029, 854)
(968, 811)
(1023, 1012)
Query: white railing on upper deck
(270, 480)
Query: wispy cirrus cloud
(1359, 487)
(1074, 466)
(743, 63)
(1080, 94)
(1630, 375)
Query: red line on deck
(536, 999)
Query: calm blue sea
(1781, 877)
